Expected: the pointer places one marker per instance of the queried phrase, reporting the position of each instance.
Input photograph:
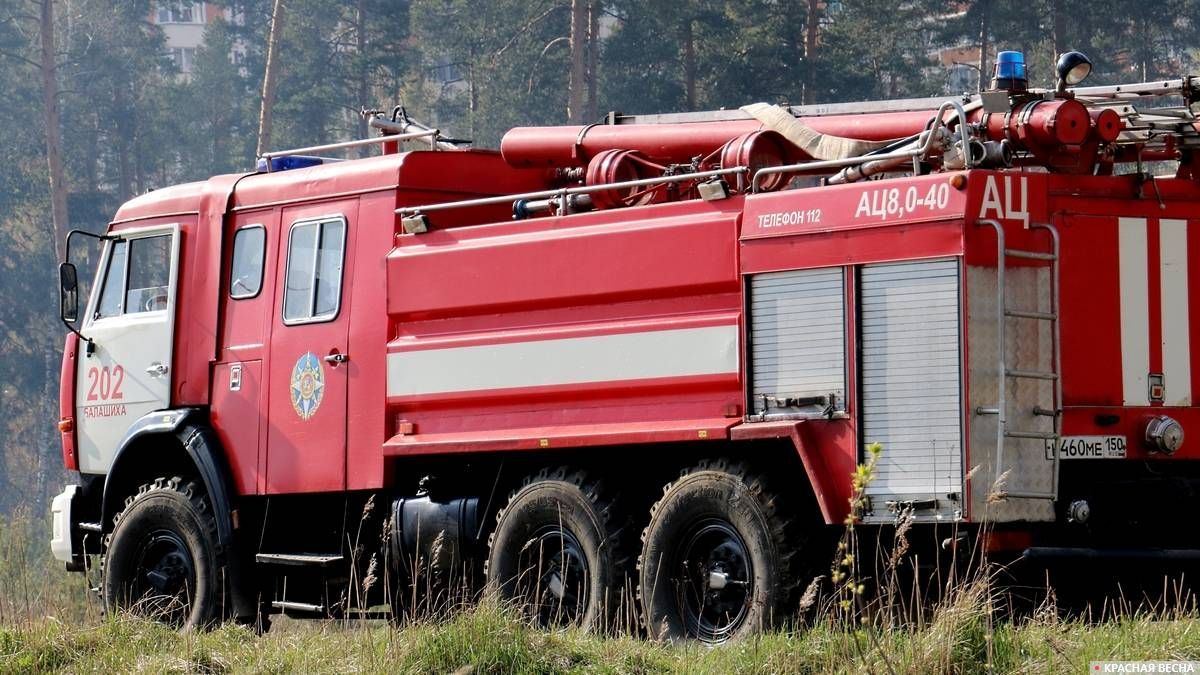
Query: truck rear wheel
(161, 558)
(717, 558)
(556, 552)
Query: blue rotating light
(1010, 65)
(1010, 72)
(288, 162)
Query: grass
(31, 584)
(49, 623)
(487, 639)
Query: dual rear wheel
(558, 551)
(717, 559)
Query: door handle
(337, 358)
(157, 369)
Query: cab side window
(246, 270)
(138, 277)
(149, 274)
(112, 295)
(316, 251)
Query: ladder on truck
(1004, 373)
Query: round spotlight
(1072, 68)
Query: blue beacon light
(1010, 72)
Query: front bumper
(62, 543)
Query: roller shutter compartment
(797, 343)
(911, 378)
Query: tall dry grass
(869, 614)
(959, 637)
(34, 586)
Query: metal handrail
(922, 149)
(567, 192)
(315, 149)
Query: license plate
(1088, 447)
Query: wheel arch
(828, 473)
(179, 442)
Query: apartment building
(183, 23)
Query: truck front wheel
(556, 552)
(161, 558)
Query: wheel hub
(714, 584)
(165, 579)
(555, 582)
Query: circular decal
(308, 385)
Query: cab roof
(466, 172)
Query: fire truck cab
(328, 385)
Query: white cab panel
(130, 319)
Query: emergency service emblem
(308, 385)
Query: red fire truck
(686, 327)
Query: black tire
(716, 524)
(557, 552)
(161, 559)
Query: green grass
(49, 623)
(486, 639)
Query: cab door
(310, 352)
(131, 322)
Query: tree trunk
(49, 73)
(577, 86)
(472, 93)
(1144, 38)
(139, 180)
(363, 83)
(92, 161)
(270, 75)
(984, 76)
(689, 62)
(593, 66)
(812, 23)
(124, 170)
(1060, 27)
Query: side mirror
(68, 293)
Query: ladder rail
(1182, 86)
(1003, 373)
(1056, 337)
(1001, 347)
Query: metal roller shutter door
(911, 379)
(797, 337)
